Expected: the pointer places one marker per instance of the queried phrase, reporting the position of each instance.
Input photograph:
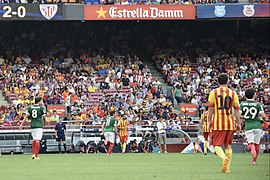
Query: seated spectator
(145, 147)
(134, 147)
(267, 150)
(7, 120)
(185, 140)
(155, 147)
(82, 147)
(55, 117)
(90, 148)
(198, 147)
(101, 148)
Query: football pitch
(169, 166)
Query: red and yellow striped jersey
(123, 127)
(204, 119)
(223, 100)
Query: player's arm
(211, 103)
(237, 112)
(261, 113)
(202, 118)
(103, 125)
(115, 127)
(119, 126)
(56, 129)
(25, 117)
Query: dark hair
(249, 93)
(223, 79)
(37, 100)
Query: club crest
(48, 10)
(220, 11)
(248, 10)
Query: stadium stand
(89, 75)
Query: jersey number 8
(108, 122)
(34, 113)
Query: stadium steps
(3, 102)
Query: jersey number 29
(252, 111)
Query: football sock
(252, 150)
(257, 148)
(65, 147)
(205, 146)
(37, 148)
(110, 148)
(59, 147)
(124, 147)
(220, 152)
(33, 147)
(229, 153)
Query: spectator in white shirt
(161, 126)
(125, 2)
(257, 79)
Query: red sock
(110, 148)
(257, 148)
(37, 148)
(33, 147)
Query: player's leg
(218, 140)
(205, 134)
(33, 133)
(124, 143)
(251, 140)
(59, 144)
(106, 136)
(257, 139)
(65, 146)
(39, 133)
(228, 149)
(64, 143)
(111, 137)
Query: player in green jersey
(251, 112)
(108, 130)
(35, 114)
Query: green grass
(170, 166)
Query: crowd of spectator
(98, 70)
(191, 76)
(86, 83)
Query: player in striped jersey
(123, 132)
(251, 112)
(221, 102)
(206, 129)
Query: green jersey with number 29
(110, 122)
(250, 111)
(35, 114)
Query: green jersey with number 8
(110, 122)
(250, 112)
(35, 113)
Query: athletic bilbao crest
(249, 10)
(48, 10)
(220, 11)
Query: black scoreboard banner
(31, 12)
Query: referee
(60, 129)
